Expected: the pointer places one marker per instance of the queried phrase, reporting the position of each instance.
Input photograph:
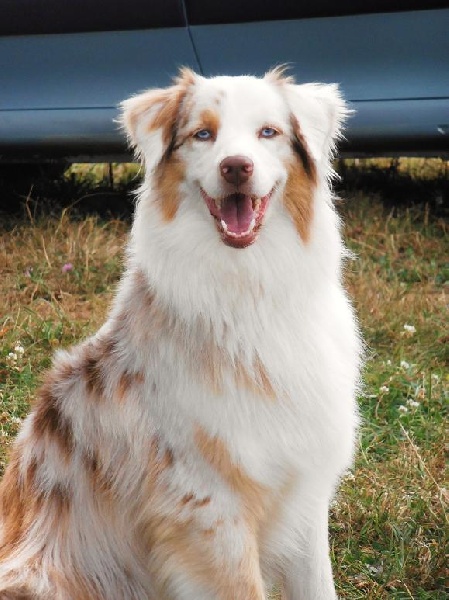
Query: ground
(388, 524)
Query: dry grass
(388, 523)
(45, 307)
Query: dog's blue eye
(203, 134)
(268, 132)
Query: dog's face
(234, 147)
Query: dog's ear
(319, 111)
(150, 119)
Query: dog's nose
(236, 169)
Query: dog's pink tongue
(237, 212)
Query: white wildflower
(389, 363)
(410, 328)
(405, 364)
(402, 409)
(12, 357)
(435, 378)
(19, 349)
(412, 403)
(384, 389)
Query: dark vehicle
(64, 66)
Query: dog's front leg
(308, 573)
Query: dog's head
(235, 146)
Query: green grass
(388, 527)
(388, 523)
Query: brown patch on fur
(211, 366)
(18, 504)
(92, 369)
(49, 423)
(93, 365)
(298, 199)
(166, 117)
(209, 119)
(166, 104)
(264, 379)
(171, 99)
(94, 376)
(104, 481)
(21, 501)
(187, 498)
(17, 593)
(175, 543)
(202, 502)
(168, 459)
(259, 383)
(159, 463)
(301, 149)
(253, 495)
(92, 462)
(300, 186)
(142, 319)
(173, 540)
(194, 502)
(127, 381)
(184, 115)
(214, 364)
(168, 177)
(60, 499)
(186, 77)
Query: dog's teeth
(225, 227)
(252, 224)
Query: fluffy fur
(191, 447)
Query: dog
(191, 447)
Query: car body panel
(373, 57)
(59, 92)
(88, 70)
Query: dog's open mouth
(238, 217)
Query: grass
(388, 523)
(388, 526)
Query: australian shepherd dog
(190, 448)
